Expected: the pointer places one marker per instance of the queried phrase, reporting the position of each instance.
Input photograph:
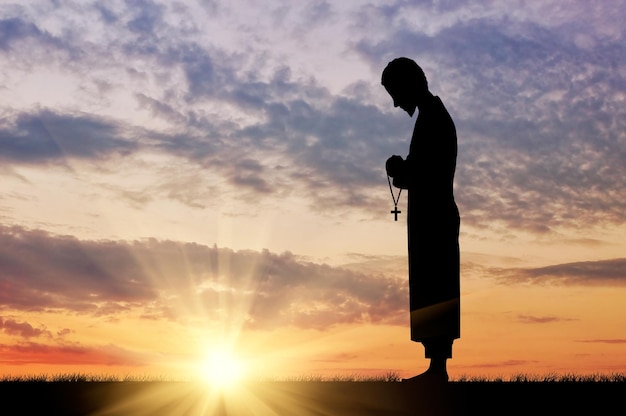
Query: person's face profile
(402, 97)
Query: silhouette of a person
(433, 217)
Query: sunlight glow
(222, 369)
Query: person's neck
(424, 100)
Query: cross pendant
(395, 213)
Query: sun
(222, 369)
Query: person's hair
(404, 71)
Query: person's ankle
(438, 366)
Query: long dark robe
(433, 225)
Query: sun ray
(221, 368)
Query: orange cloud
(36, 353)
(159, 279)
(22, 329)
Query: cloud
(65, 331)
(499, 364)
(36, 353)
(316, 141)
(531, 319)
(22, 329)
(611, 272)
(146, 16)
(66, 272)
(605, 341)
(539, 119)
(13, 30)
(537, 101)
(46, 136)
(162, 278)
(249, 173)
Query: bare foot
(428, 377)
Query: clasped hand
(394, 165)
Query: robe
(433, 225)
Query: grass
(79, 394)
(389, 377)
(86, 378)
(81, 378)
(547, 378)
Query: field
(518, 395)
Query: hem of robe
(439, 320)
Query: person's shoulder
(440, 103)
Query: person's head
(405, 81)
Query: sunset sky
(185, 177)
